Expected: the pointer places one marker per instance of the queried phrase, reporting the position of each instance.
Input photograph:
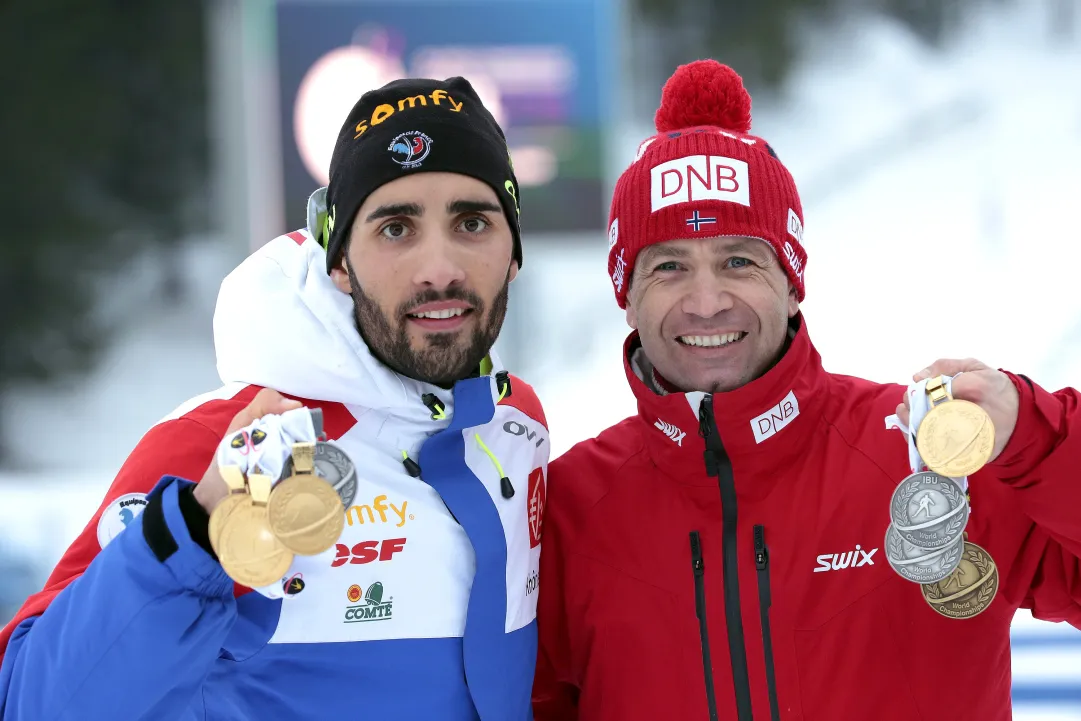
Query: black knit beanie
(413, 126)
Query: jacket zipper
(761, 563)
(699, 566)
(719, 465)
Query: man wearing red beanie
(766, 540)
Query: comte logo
(373, 608)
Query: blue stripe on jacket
(498, 665)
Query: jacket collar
(280, 323)
(764, 425)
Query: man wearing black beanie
(382, 315)
(421, 153)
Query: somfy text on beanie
(415, 126)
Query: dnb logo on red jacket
(367, 551)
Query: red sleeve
(1040, 468)
(1042, 459)
(183, 447)
(524, 398)
(1042, 424)
(555, 696)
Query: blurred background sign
(544, 68)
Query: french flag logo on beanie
(704, 175)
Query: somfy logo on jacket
(671, 431)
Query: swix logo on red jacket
(841, 561)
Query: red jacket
(638, 534)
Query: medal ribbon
(267, 443)
(919, 405)
(265, 446)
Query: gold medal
(956, 437)
(969, 590)
(305, 512)
(238, 494)
(246, 547)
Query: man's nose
(706, 296)
(438, 266)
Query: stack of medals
(926, 541)
(260, 526)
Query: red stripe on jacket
(182, 447)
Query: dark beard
(448, 357)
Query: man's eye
(394, 231)
(739, 262)
(475, 224)
(667, 265)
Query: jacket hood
(762, 424)
(281, 323)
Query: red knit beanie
(704, 176)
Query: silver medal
(333, 465)
(920, 565)
(929, 511)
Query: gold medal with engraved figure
(246, 547)
(305, 511)
(238, 495)
(956, 437)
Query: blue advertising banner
(545, 68)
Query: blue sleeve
(133, 637)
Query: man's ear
(339, 275)
(513, 273)
(793, 301)
(632, 314)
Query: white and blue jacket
(424, 609)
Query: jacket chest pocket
(642, 628)
(849, 661)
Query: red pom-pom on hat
(704, 92)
